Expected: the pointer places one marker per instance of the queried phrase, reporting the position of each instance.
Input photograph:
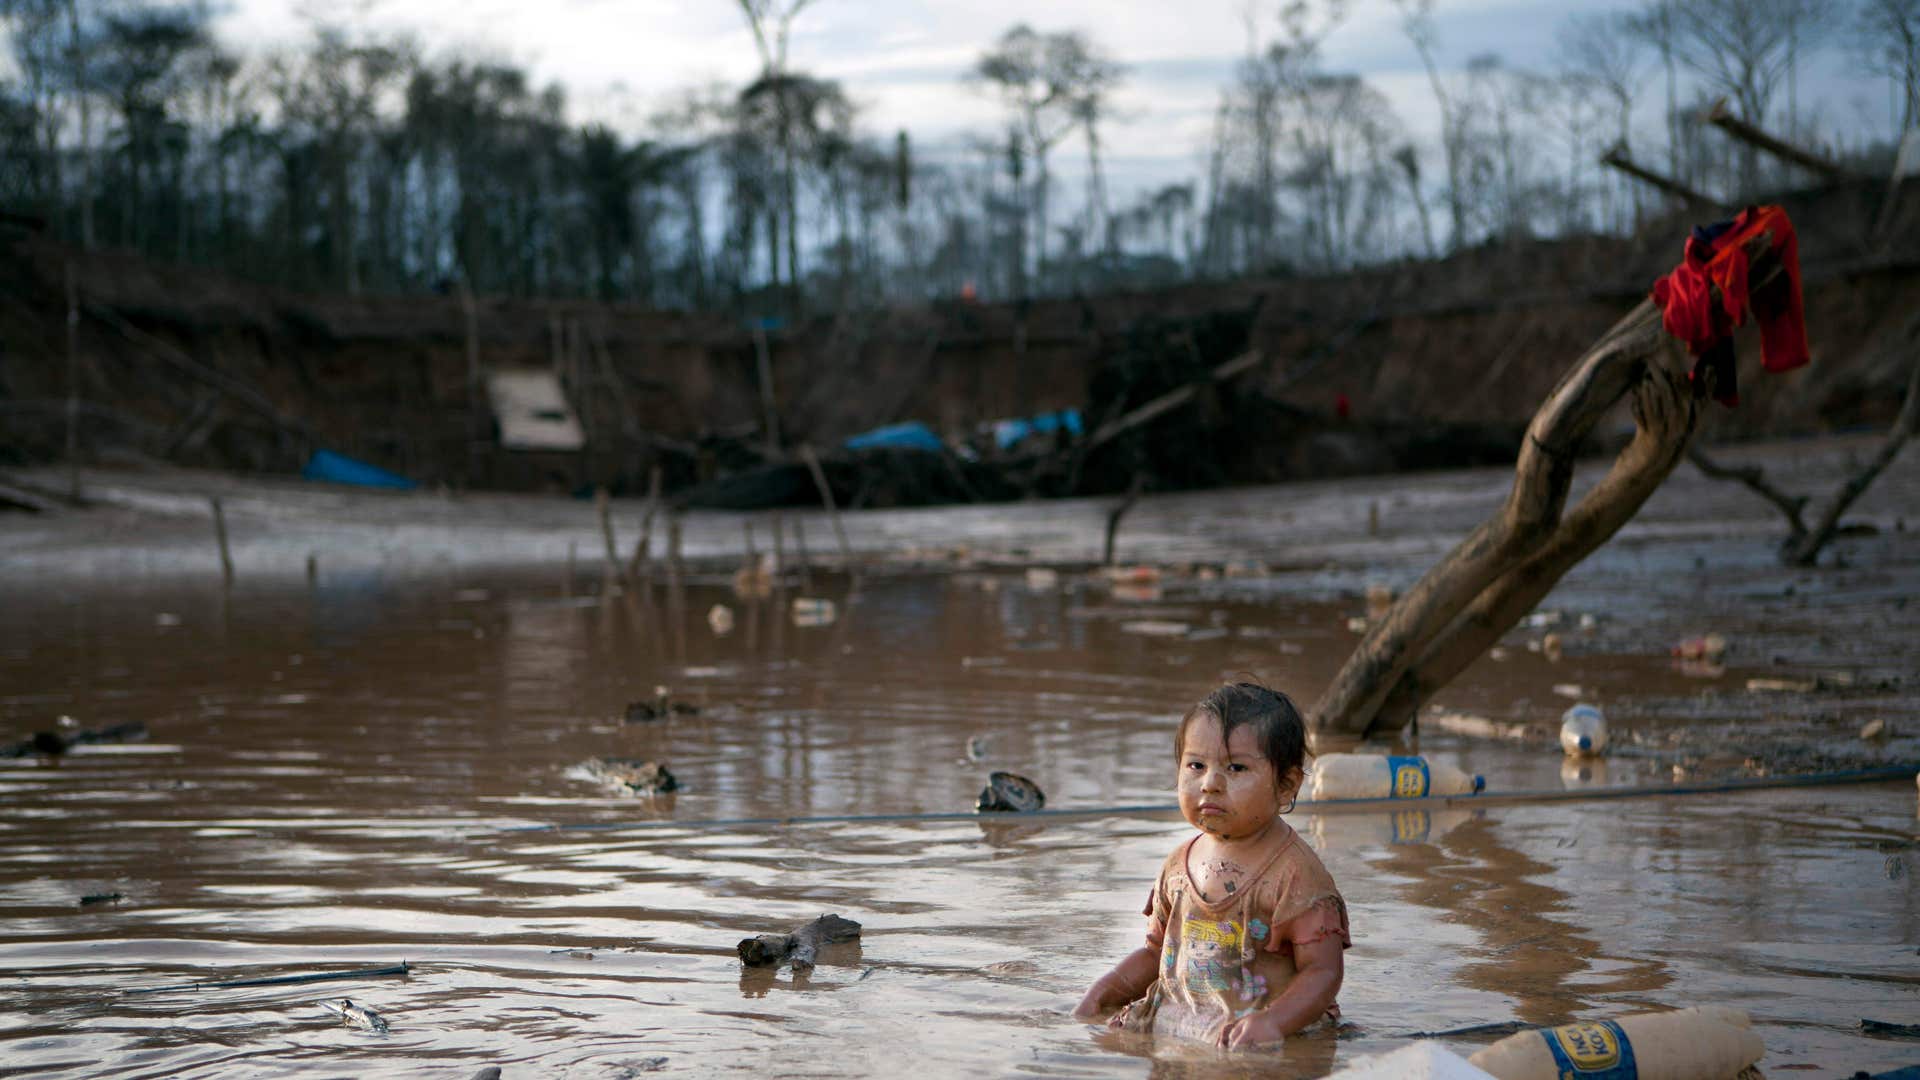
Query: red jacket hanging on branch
(1716, 256)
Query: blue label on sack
(1591, 1050)
(1410, 779)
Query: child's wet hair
(1277, 726)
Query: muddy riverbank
(338, 769)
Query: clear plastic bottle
(1380, 776)
(1583, 731)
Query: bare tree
(1046, 80)
(1886, 36)
(1656, 24)
(1603, 52)
(1416, 21)
(1743, 49)
(772, 24)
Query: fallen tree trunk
(802, 946)
(1490, 580)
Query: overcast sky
(902, 60)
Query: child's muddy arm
(1318, 968)
(1130, 979)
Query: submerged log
(801, 946)
(1490, 580)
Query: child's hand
(1255, 1029)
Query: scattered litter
(800, 946)
(1137, 594)
(360, 1016)
(1211, 633)
(1876, 729)
(720, 620)
(1552, 647)
(633, 775)
(1540, 620)
(700, 672)
(1245, 568)
(983, 661)
(1132, 575)
(1010, 793)
(1476, 727)
(1882, 1027)
(1782, 686)
(1357, 625)
(1707, 647)
(1588, 622)
(577, 954)
(1700, 669)
(1706, 1041)
(754, 581)
(1042, 578)
(1379, 776)
(660, 708)
(1498, 653)
(1154, 628)
(813, 611)
(100, 898)
(1570, 690)
(1379, 600)
(1583, 731)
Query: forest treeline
(365, 163)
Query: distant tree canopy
(360, 163)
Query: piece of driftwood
(1480, 589)
(1803, 543)
(351, 1012)
(1720, 116)
(801, 946)
(401, 968)
(1616, 158)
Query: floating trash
(357, 1015)
(812, 611)
(1010, 793)
(633, 775)
(1583, 731)
(720, 620)
(1707, 647)
(1379, 776)
(1154, 628)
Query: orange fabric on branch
(1717, 257)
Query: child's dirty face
(1226, 786)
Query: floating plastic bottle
(1707, 1042)
(1379, 776)
(1583, 731)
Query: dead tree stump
(1480, 589)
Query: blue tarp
(331, 468)
(912, 435)
(1009, 432)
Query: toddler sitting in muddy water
(1246, 927)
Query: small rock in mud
(631, 774)
(1010, 793)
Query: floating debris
(1155, 628)
(660, 708)
(983, 661)
(1042, 578)
(1707, 647)
(357, 1015)
(812, 611)
(1540, 620)
(634, 775)
(1876, 729)
(800, 946)
(1782, 686)
(1357, 624)
(55, 743)
(1570, 690)
(100, 898)
(1476, 727)
(977, 748)
(1583, 731)
(1379, 601)
(720, 620)
(1010, 793)
(1552, 647)
(1132, 575)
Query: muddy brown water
(353, 776)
